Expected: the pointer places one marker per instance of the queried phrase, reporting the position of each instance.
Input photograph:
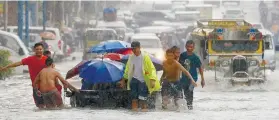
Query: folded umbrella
(158, 64)
(102, 71)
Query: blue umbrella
(102, 71)
(158, 64)
(110, 46)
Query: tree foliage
(4, 60)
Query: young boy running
(46, 79)
(170, 79)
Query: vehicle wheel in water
(73, 101)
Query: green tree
(4, 60)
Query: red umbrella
(113, 56)
(125, 51)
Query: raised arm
(66, 83)
(186, 73)
(16, 64)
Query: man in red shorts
(35, 64)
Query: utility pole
(20, 18)
(44, 15)
(27, 23)
(63, 16)
(5, 15)
(37, 13)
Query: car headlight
(253, 63)
(225, 63)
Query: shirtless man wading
(47, 80)
(170, 79)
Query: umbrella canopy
(110, 46)
(127, 51)
(47, 35)
(113, 56)
(156, 62)
(102, 71)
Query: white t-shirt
(137, 65)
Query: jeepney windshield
(100, 35)
(235, 46)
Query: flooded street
(216, 101)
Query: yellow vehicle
(94, 36)
(233, 49)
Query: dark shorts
(171, 89)
(39, 101)
(139, 89)
(52, 98)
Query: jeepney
(233, 49)
(94, 36)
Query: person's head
(176, 51)
(190, 46)
(47, 53)
(170, 55)
(136, 47)
(49, 62)
(38, 49)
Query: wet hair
(174, 48)
(190, 42)
(49, 61)
(38, 44)
(135, 44)
(47, 52)
(169, 51)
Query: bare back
(171, 70)
(48, 79)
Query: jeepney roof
(213, 23)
